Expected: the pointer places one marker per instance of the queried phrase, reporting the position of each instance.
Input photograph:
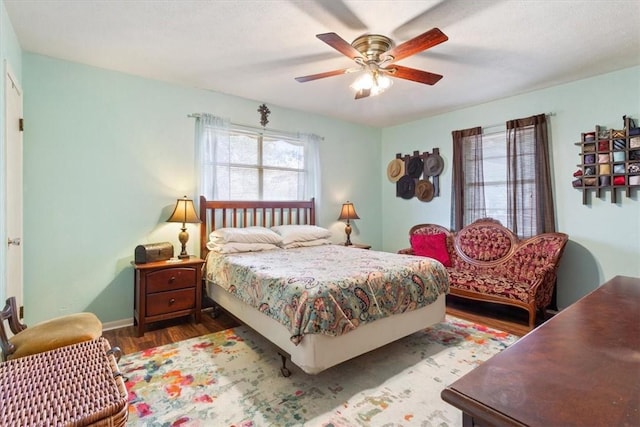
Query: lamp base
(183, 236)
(347, 231)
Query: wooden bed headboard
(225, 213)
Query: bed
(308, 316)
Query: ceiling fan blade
(445, 13)
(363, 93)
(340, 44)
(417, 44)
(323, 75)
(412, 74)
(334, 13)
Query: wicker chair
(44, 336)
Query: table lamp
(348, 212)
(184, 212)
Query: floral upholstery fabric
(490, 284)
(535, 263)
(484, 242)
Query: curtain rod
(504, 124)
(241, 126)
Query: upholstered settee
(487, 262)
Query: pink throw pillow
(432, 246)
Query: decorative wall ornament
(417, 175)
(264, 114)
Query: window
(495, 182)
(504, 175)
(240, 163)
(256, 167)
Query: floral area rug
(232, 378)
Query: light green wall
(11, 57)
(604, 236)
(106, 156)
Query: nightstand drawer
(170, 279)
(168, 302)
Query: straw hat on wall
(395, 170)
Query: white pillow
(235, 247)
(300, 233)
(317, 242)
(245, 235)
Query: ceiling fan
(376, 55)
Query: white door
(13, 190)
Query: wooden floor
(165, 332)
(505, 319)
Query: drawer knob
(172, 300)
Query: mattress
(330, 289)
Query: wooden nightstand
(164, 290)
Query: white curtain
(210, 130)
(312, 166)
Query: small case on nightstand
(152, 252)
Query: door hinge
(21, 124)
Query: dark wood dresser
(581, 368)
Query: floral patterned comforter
(328, 289)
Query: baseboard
(116, 324)
(123, 323)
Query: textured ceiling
(254, 49)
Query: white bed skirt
(319, 352)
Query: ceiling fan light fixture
(373, 82)
(384, 82)
(365, 81)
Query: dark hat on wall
(406, 187)
(424, 190)
(395, 170)
(434, 165)
(415, 167)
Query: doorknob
(15, 241)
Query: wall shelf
(609, 159)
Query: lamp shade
(184, 212)
(348, 212)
